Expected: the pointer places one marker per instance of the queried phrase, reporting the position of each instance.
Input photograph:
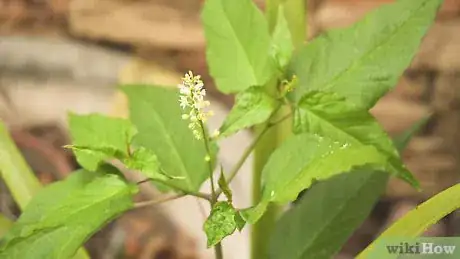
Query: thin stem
(143, 204)
(218, 251)
(176, 187)
(251, 147)
(217, 247)
(211, 171)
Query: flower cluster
(191, 100)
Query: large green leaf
(364, 61)
(253, 106)
(96, 137)
(238, 44)
(156, 114)
(14, 170)
(325, 217)
(417, 221)
(327, 114)
(304, 158)
(65, 214)
(330, 211)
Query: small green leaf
(96, 137)
(281, 48)
(238, 44)
(240, 222)
(365, 61)
(418, 220)
(253, 106)
(222, 222)
(302, 158)
(146, 162)
(329, 213)
(327, 114)
(156, 114)
(223, 185)
(65, 214)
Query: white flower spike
(191, 100)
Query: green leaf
(295, 14)
(238, 44)
(146, 162)
(364, 61)
(222, 222)
(14, 170)
(418, 220)
(65, 214)
(253, 106)
(96, 138)
(18, 176)
(327, 114)
(223, 185)
(305, 157)
(325, 217)
(282, 47)
(156, 113)
(329, 213)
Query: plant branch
(251, 147)
(176, 187)
(213, 200)
(143, 204)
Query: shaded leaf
(222, 222)
(156, 114)
(253, 106)
(240, 222)
(325, 217)
(327, 114)
(5, 225)
(328, 214)
(67, 213)
(282, 47)
(96, 137)
(364, 61)
(14, 170)
(295, 15)
(300, 159)
(237, 44)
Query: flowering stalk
(192, 102)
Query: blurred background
(69, 55)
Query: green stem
(251, 147)
(178, 188)
(208, 155)
(261, 231)
(143, 204)
(294, 12)
(217, 247)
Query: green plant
(308, 104)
